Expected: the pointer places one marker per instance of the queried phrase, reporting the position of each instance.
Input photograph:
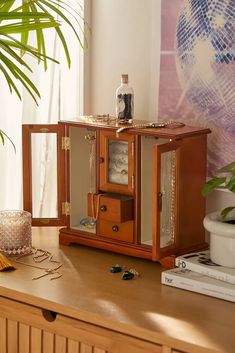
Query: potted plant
(221, 225)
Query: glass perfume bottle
(124, 100)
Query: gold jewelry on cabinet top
(156, 125)
(98, 118)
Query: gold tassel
(5, 264)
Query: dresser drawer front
(112, 208)
(35, 332)
(117, 231)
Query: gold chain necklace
(38, 256)
(91, 139)
(95, 213)
(171, 124)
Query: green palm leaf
(3, 135)
(14, 43)
(20, 75)
(32, 15)
(10, 82)
(61, 14)
(6, 5)
(23, 26)
(7, 16)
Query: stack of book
(197, 273)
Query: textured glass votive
(15, 232)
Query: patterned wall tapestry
(197, 75)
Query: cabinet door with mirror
(44, 177)
(116, 162)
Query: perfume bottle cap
(124, 78)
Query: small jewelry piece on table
(127, 275)
(115, 269)
(50, 271)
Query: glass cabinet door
(166, 196)
(44, 174)
(116, 161)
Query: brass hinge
(44, 129)
(66, 143)
(66, 208)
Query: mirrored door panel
(116, 162)
(166, 195)
(146, 188)
(44, 173)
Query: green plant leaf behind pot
(230, 183)
(229, 168)
(212, 184)
(227, 181)
(226, 211)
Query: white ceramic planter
(222, 240)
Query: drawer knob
(103, 208)
(115, 228)
(49, 315)
(101, 159)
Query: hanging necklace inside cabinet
(90, 222)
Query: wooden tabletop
(143, 307)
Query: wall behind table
(125, 38)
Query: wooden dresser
(91, 310)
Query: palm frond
(37, 16)
(21, 76)
(13, 42)
(10, 82)
(2, 137)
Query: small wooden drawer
(117, 231)
(112, 207)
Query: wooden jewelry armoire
(136, 192)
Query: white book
(200, 262)
(197, 282)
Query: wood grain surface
(90, 293)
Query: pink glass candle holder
(15, 232)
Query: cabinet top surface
(171, 131)
(88, 291)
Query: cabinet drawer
(112, 207)
(117, 231)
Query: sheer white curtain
(10, 162)
(61, 92)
